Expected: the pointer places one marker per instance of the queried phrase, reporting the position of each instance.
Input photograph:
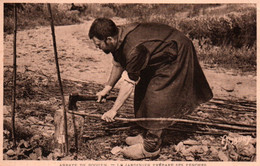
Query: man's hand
(103, 93)
(109, 115)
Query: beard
(106, 51)
(109, 47)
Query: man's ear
(110, 39)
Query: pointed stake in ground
(59, 79)
(14, 77)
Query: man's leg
(152, 140)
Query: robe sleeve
(136, 61)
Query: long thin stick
(14, 76)
(59, 79)
(217, 120)
(170, 120)
(248, 108)
(209, 132)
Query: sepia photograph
(154, 83)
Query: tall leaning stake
(60, 83)
(14, 76)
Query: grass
(242, 59)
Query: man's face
(104, 45)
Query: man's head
(104, 33)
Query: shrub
(228, 24)
(243, 58)
(237, 29)
(98, 10)
(31, 15)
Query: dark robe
(172, 82)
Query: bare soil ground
(84, 69)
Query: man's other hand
(102, 94)
(109, 116)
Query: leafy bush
(31, 15)
(235, 29)
(64, 17)
(143, 11)
(98, 10)
(243, 58)
(228, 24)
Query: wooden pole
(14, 77)
(59, 79)
(170, 120)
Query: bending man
(162, 67)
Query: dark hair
(102, 28)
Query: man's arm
(135, 62)
(115, 75)
(124, 92)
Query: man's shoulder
(155, 25)
(145, 25)
(133, 24)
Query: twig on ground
(170, 119)
(220, 132)
(225, 122)
(248, 108)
